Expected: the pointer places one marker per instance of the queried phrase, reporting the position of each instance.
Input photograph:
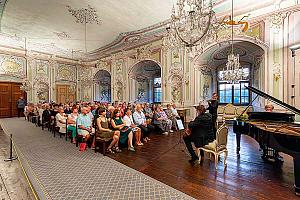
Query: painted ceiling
(52, 24)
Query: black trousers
(20, 112)
(188, 143)
(146, 130)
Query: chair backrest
(229, 109)
(220, 110)
(240, 110)
(222, 134)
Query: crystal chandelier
(190, 23)
(233, 72)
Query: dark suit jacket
(202, 128)
(46, 115)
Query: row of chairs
(100, 143)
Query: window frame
(232, 93)
(155, 93)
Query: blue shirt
(85, 121)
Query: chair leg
(104, 148)
(225, 159)
(216, 160)
(96, 146)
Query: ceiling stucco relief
(62, 35)
(85, 15)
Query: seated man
(200, 132)
(140, 120)
(269, 107)
(84, 124)
(136, 130)
(46, 116)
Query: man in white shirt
(129, 122)
(140, 121)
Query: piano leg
(297, 174)
(238, 143)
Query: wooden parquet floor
(246, 177)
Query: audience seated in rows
(117, 123)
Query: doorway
(9, 95)
(65, 94)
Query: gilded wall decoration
(104, 65)
(119, 91)
(66, 73)
(277, 71)
(176, 88)
(143, 53)
(41, 85)
(12, 66)
(203, 68)
(276, 21)
(41, 67)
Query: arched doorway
(146, 82)
(213, 61)
(102, 88)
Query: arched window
(236, 93)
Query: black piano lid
(273, 99)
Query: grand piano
(275, 132)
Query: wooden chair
(102, 142)
(78, 137)
(68, 133)
(218, 146)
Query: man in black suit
(200, 132)
(46, 116)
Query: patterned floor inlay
(62, 172)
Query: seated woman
(200, 132)
(129, 122)
(61, 120)
(171, 116)
(162, 121)
(72, 123)
(125, 131)
(103, 131)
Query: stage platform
(58, 170)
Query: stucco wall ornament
(26, 85)
(12, 66)
(276, 21)
(277, 71)
(143, 53)
(41, 86)
(203, 68)
(66, 73)
(103, 65)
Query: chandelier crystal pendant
(233, 73)
(190, 23)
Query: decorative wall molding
(66, 73)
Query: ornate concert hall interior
(150, 99)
